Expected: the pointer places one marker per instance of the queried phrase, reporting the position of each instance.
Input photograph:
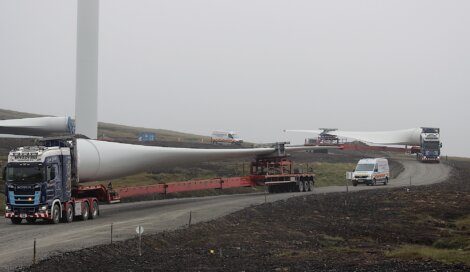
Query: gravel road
(155, 216)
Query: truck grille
(24, 210)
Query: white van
(371, 171)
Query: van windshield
(365, 167)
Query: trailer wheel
(85, 211)
(68, 216)
(311, 184)
(16, 220)
(300, 186)
(306, 186)
(95, 212)
(31, 220)
(56, 214)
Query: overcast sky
(255, 67)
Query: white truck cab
(370, 171)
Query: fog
(256, 67)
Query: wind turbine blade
(39, 126)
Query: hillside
(120, 132)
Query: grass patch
(463, 223)
(328, 174)
(448, 256)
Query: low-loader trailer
(41, 182)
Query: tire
(354, 183)
(85, 211)
(311, 184)
(386, 181)
(374, 182)
(67, 217)
(95, 211)
(306, 186)
(300, 186)
(16, 220)
(31, 220)
(55, 214)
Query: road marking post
(111, 233)
(139, 231)
(34, 251)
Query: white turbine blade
(396, 137)
(40, 126)
(86, 101)
(314, 147)
(99, 160)
(304, 131)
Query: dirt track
(155, 216)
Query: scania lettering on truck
(371, 171)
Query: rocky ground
(417, 229)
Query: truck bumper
(37, 215)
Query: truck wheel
(85, 211)
(68, 216)
(300, 186)
(374, 182)
(354, 183)
(95, 212)
(31, 220)
(386, 181)
(56, 214)
(16, 220)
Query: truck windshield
(431, 145)
(30, 173)
(365, 167)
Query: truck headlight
(43, 208)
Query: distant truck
(430, 145)
(371, 171)
(229, 137)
